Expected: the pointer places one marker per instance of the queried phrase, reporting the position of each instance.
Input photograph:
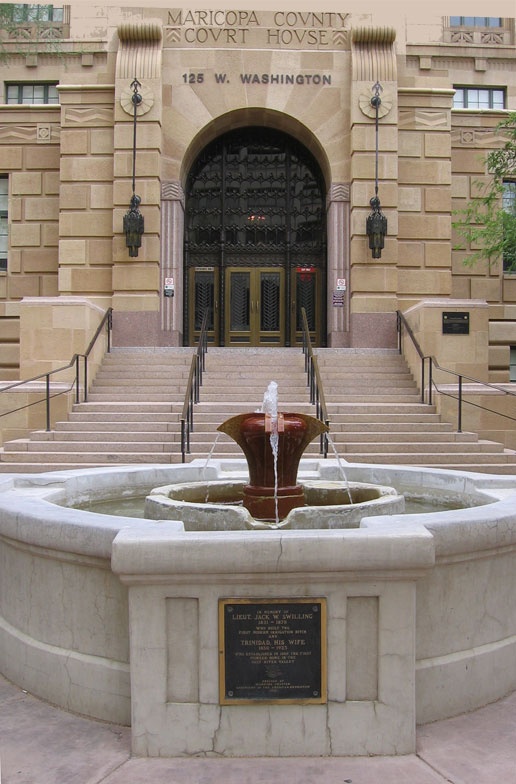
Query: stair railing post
(183, 455)
(399, 327)
(430, 363)
(422, 379)
(190, 415)
(77, 379)
(47, 396)
(85, 379)
(109, 328)
(459, 413)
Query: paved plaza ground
(41, 744)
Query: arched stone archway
(176, 313)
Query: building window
(31, 93)
(512, 364)
(22, 12)
(479, 98)
(3, 222)
(475, 21)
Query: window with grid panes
(475, 21)
(31, 93)
(479, 98)
(3, 221)
(29, 12)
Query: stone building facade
(255, 163)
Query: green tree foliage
(488, 223)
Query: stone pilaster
(373, 281)
(172, 232)
(136, 281)
(86, 191)
(338, 319)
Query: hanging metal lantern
(376, 228)
(133, 226)
(133, 219)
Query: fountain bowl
(326, 504)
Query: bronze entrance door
(255, 309)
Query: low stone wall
(421, 610)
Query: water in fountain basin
(205, 466)
(341, 467)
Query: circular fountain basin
(65, 574)
(217, 506)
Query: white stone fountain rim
(29, 509)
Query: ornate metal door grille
(204, 299)
(269, 301)
(255, 198)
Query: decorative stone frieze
(172, 191)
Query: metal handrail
(314, 381)
(107, 319)
(197, 367)
(401, 322)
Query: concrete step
(133, 397)
(166, 381)
(40, 467)
(394, 436)
(400, 425)
(111, 436)
(379, 397)
(427, 447)
(92, 458)
(125, 407)
(116, 426)
(378, 408)
(118, 446)
(423, 458)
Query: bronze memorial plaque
(272, 651)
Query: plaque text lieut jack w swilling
(272, 650)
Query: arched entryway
(255, 241)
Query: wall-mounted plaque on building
(272, 651)
(455, 323)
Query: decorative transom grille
(255, 190)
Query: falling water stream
(341, 467)
(270, 406)
(205, 466)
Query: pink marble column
(337, 205)
(172, 232)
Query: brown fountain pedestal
(252, 433)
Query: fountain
(273, 443)
(340, 632)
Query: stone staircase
(376, 416)
(134, 408)
(132, 416)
